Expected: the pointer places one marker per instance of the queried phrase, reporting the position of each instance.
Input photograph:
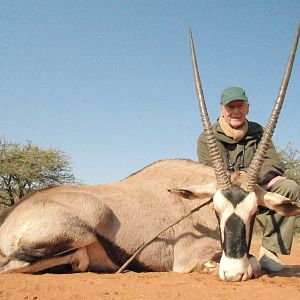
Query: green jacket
(234, 153)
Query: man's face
(235, 113)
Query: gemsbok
(98, 228)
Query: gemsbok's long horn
(257, 161)
(220, 171)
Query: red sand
(285, 285)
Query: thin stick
(144, 245)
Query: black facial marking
(119, 256)
(234, 244)
(234, 195)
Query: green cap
(233, 93)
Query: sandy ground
(284, 285)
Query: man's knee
(287, 188)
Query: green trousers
(278, 231)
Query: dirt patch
(154, 285)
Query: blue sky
(110, 83)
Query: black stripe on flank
(119, 256)
(234, 195)
(35, 252)
(45, 246)
(234, 244)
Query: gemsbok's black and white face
(235, 210)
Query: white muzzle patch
(234, 269)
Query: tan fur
(127, 213)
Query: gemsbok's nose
(234, 277)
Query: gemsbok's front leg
(203, 267)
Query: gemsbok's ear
(280, 204)
(196, 191)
